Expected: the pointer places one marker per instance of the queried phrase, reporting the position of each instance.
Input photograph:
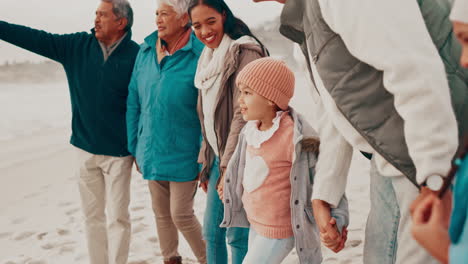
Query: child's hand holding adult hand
(329, 234)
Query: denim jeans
(388, 230)
(215, 236)
(263, 250)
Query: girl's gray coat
(305, 230)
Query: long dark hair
(233, 26)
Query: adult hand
(429, 227)
(329, 234)
(203, 185)
(446, 201)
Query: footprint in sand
(63, 232)
(41, 235)
(153, 239)
(56, 244)
(37, 262)
(21, 235)
(138, 218)
(137, 208)
(5, 235)
(72, 211)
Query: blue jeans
(215, 236)
(388, 230)
(263, 250)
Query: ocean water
(27, 109)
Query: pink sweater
(267, 186)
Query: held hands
(430, 228)
(329, 233)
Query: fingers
(338, 244)
(424, 192)
(422, 212)
(204, 186)
(331, 230)
(438, 212)
(221, 193)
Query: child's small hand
(429, 227)
(331, 238)
(221, 191)
(329, 234)
(204, 186)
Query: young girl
(268, 182)
(229, 47)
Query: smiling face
(169, 24)
(254, 106)
(208, 25)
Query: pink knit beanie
(270, 78)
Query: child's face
(254, 106)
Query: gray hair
(180, 6)
(122, 9)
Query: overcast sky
(66, 16)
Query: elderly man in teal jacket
(164, 129)
(98, 68)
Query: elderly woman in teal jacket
(164, 129)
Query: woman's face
(169, 25)
(208, 26)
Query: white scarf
(211, 62)
(208, 79)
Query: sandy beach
(40, 215)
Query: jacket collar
(127, 38)
(302, 128)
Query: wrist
(434, 182)
(320, 203)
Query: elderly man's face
(169, 25)
(106, 24)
